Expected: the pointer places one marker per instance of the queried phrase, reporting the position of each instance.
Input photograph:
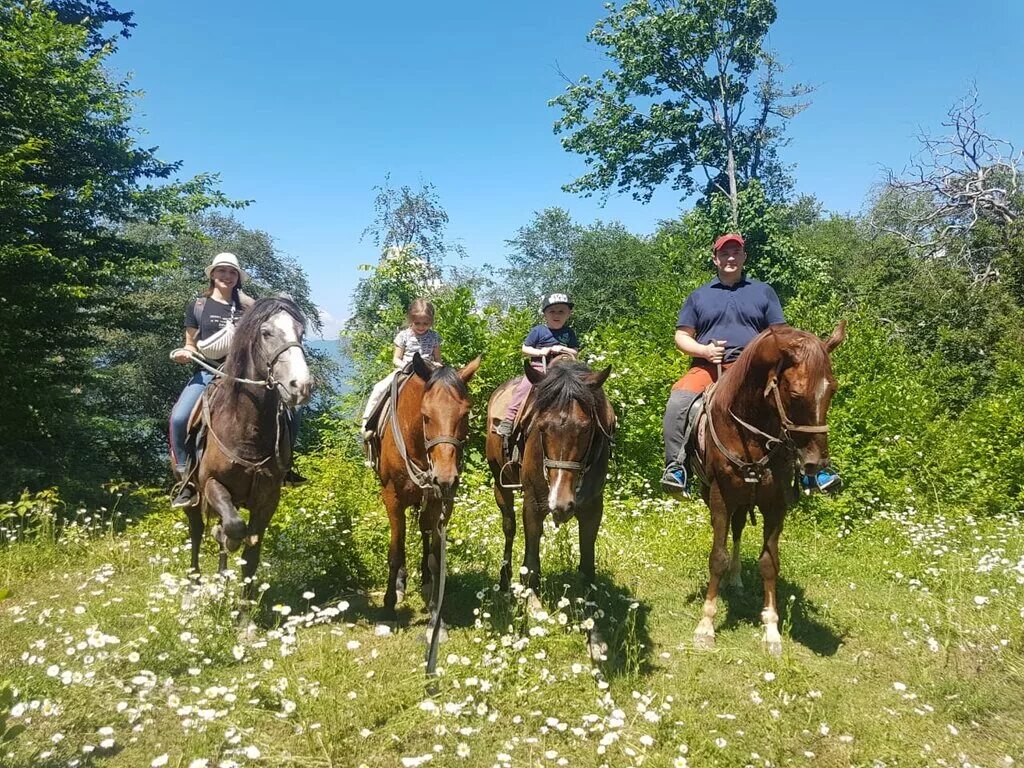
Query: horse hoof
(235, 529)
(597, 646)
(218, 533)
(232, 545)
(442, 636)
(382, 630)
(774, 647)
(703, 641)
(399, 596)
(534, 605)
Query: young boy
(553, 337)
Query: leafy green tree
(539, 258)
(71, 176)
(407, 219)
(692, 89)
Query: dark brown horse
(766, 420)
(567, 426)
(248, 448)
(420, 459)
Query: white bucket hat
(227, 260)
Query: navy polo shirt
(734, 314)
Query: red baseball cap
(732, 237)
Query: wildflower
(159, 761)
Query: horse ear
(466, 372)
(597, 379)
(837, 337)
(535, 376)
(420, 367)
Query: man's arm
(688, 345)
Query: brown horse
(765, 421)
(420, 459)
(248, 448)
(567, 429)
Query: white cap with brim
(227, 260)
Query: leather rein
(754, 471)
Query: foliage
(539, 258)
(405, 219)
(682, 78)
(71, 176)
(8, 733)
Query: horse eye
(266, 333)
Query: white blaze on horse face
(556, 489)
(291, 368)
(819, 404)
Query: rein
(753, 471)
(421, 477)
(270, 382)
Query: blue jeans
(179, 417)
(183, 409)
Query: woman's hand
(182, 355)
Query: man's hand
(714, 351)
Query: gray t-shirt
(425, 344)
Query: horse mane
(243, 359)
(447, 377)
(766, 350)
(564, 385)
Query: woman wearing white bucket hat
(209, 326)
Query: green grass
(902, 646)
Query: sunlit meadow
(903, 644)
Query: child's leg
(379, 391)
(519, 396)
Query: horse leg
(718, 564)
(739, 522)
(259, 519)
(533, 528)
(589, 519)
(196, 527)
(589, 522)
(426, 575)
(396, 551)
(231, 529)
(506, 503)
(769, 574)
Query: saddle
(378, 420)
(695, 432)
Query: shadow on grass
(798, 616)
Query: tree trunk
(734, 199)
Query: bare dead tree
(955, 185)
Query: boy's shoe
(504, 428)
(186, 497)
(825, 481)
(293, 478)
(674, 482)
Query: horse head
(268, 346)
(566, 424)
(445, 410)
(800, 389)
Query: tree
(693, 89)
(71, 176)
(406, 219)
(540, 258)
(960, 197)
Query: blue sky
(305, 112)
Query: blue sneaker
(674, 482)
(825, 481)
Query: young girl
(418, 336)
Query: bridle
(424, 479)
(580, 468)
(753, 471)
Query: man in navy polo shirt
(715, 323)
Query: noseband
(271, 382)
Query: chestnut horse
(421, 451)
(567, 425)
(764, 423)
(248, 448)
